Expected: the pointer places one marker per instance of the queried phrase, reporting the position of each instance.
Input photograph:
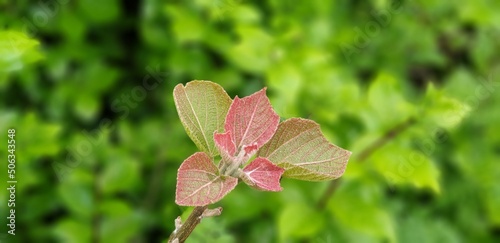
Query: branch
(332, 187)
(388, 136)
(183, 230)
(366, 153)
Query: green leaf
(99, 12)
(485, 164)
(119, 223)
(78, 198)
(184, 19)
(73, 231)
(492, 204)
(252, 52)
(387, 105)
(86, 107)
(41, 137)
(441, 110)
(402, 165)
(119, 174)
(202, 108)
(299, 220)
(286, 81)
(418, 228)
(17, 50)
(300, 148)
(355, 206)
(71, 25)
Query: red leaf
(264, 175)
(251, 120)
(226, 146)
(250, 149)
(198, 182)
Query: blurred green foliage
(409, 86)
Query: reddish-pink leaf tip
(250, 149)
(264, 175)
(225, 145)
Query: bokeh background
(410, 87)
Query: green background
(410, 87)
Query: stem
(332, 187)
(388, 136)
(181, 233)
(366, 153)
(187, 227)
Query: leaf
(86, 107)
(185, 19)
(251, 120)
(202, 107)
(356, 206)
(301, 149)
(264, 175)
(198, 183)
(492, 200)
(286, 82)
(72, 230)
(16, 50)
(386, 103)
(441, 110)
(118, 177)
(77, 198)
(402, 165)
(226, 145)
(422, 228)
(250, 123)
(298, 220)
(100, 12)
(119, 223)
(251, 53)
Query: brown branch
(183, 230)
(388, 136)
(332, 187)
(182, 233)
(364, 154)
